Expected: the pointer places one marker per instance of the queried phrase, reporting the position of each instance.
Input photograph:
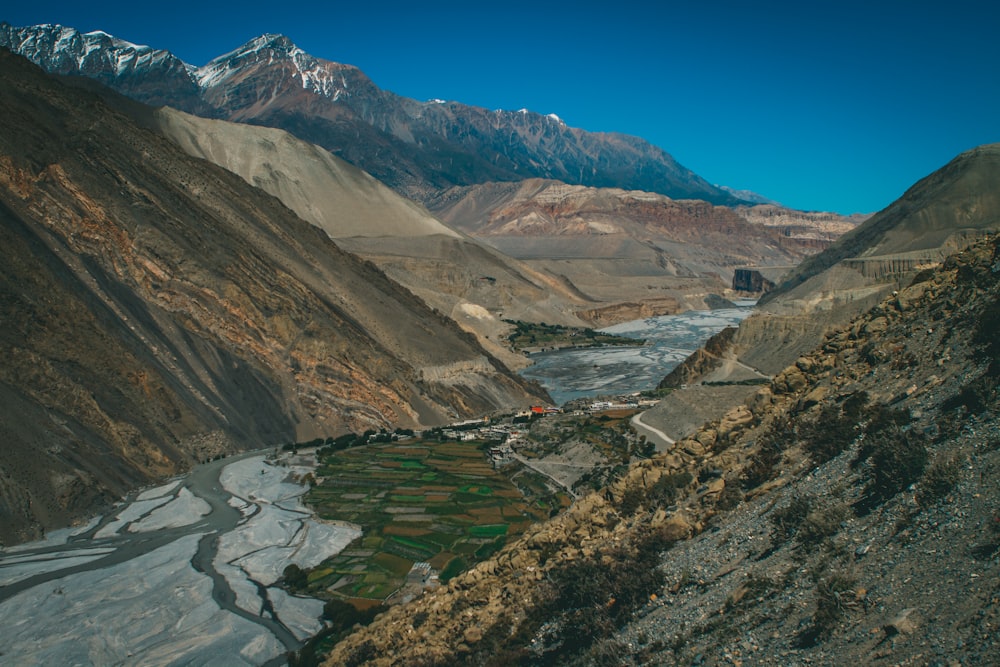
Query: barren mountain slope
(941, 213)
(322, 189)
(471, 282)
(824, 521)
(160, 311)
(624, 246)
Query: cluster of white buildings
(601, 406)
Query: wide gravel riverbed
(180, 574)
(573, 374)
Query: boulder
(790, 381)
(760, 400)
(816, 395)
(904, 623)
(805, 364)
(734, 420)
(876, 325)
(692, 447)
(707, 437)
(677, 528)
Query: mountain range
(417, 148)
(459, 161)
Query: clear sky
(820, 105)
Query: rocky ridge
(823, 519)
(801, 224)
(418, 148)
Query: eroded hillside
(474, 284)
(939, 215)
(635, 253)
(160, 311)
(824, 520)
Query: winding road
(651, 431)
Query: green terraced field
(439, 502)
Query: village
(511, 431)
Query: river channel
(177, 575)
(582, 373)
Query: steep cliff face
(161, 311)
(822, 521)
(817, 225)
(751, 280)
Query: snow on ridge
(116, 42)
(213, 69)
(55, 46)
(312, 73)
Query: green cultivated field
(533, 336)
(421, 500)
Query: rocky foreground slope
(847, 512)
(157, 311)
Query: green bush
(781, 435)
(897, 457)
(940, 478)
(835, 595)
(898, 460)
(762, 463)
(666, 489)
(631, 500)
(819, 524)
(296, 579)
(832, 431)
(787, 519)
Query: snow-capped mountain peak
(315, 75)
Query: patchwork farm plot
(418, 501)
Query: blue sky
(820, 105)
